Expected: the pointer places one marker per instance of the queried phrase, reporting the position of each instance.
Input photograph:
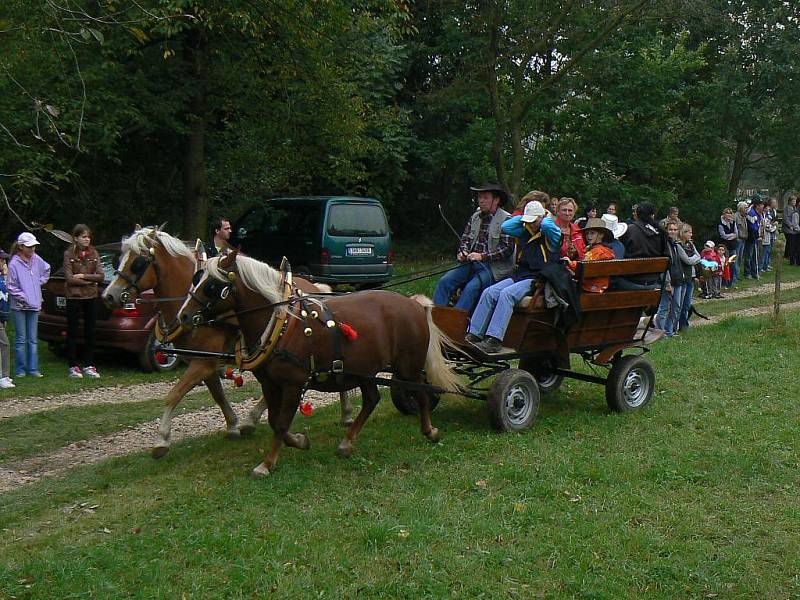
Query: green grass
(693, 497)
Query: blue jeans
(496, 307)
(26, 349)
(766, 256)
(686, 304)
(750, 265)
(471, 277)
(669, 309)
(739, 257)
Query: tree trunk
(195, 201)
(737, 169)
(517, 150)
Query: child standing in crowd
(82, 271)
(5, 354)
(727, 262)
(712, 271)
(27, 272)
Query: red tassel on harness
(348, 332)
(228, 373)
(238, 381)
(306, 409)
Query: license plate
(61, 302)
(359, 251)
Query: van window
(356, 220)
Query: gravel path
(763, 288)
(104, 395)
(134, 439)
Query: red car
(129, 328)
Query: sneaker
(75, 373)
(6, 383)
(472, 338)
(490, 345)
(91, 372)
(18, 375)
(36, 374)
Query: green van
(335, 239)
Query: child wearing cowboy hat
(598, 239)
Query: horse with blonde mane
(153, 259)
(327, 344)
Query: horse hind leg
(370, 398)
(428, 430)
(250, 421)
(346, 406)
(218, 394)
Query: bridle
(204, 314)
(138, 268)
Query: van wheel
(302, 271)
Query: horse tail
(438, 370)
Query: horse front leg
(214, 386)
(369, 400)
(194, 374)
(288, 403)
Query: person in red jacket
(572, 246)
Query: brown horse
(153, 259)
(308, 343)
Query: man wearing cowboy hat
(485, 254)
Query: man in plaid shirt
(486, 253)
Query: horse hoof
(345, 450)
(232, 434)
(347, 421)
(247, 429)
(433, 435)
(260, 471)
(159, 451)
(303, 442)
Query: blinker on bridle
(215, 291)
(138, 269)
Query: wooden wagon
(612, 332)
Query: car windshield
(356, 220)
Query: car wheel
(149, 357)
(513, 400)
(630, 385)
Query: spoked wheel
(630, 384)
(548, 381)
(406, 401)
(513, 400)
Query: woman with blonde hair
(83, 272)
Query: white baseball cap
(26, 238)
(533, 210)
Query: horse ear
(137, 227)
(161, 227)
(229, 259)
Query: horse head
(147, 257)
(213, 291)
